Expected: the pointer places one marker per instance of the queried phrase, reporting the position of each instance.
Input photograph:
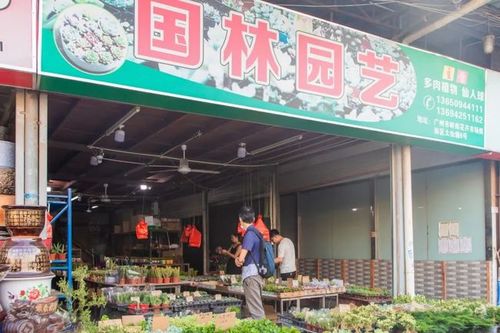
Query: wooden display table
(278, 299)
(176, 286)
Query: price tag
(135, 299)
(172, 297)
(306, 279)
(132, 320)
(225, 321)
(160, 323)
(156, 293)
(295, 283)
(299, 277)
(218, 297)
(204, 318)
(196, 294)
(189, 299)
(110, 323)
(186, 294)
(233, 280)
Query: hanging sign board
(17, 42)
(262, 61)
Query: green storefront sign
(242, 57)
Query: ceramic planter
(24, 289)
(25, 256)
(61, 256)
(25, 221)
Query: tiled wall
(434, 279)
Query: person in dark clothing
(233, 252)
(250, 253)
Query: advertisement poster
(250, 54)
(17, 42)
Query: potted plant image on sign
(4, 4)
(91, 39)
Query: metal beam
(428, 28)
(66, 118)
(101, 180)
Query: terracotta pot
(129, 281)
(166, 280)
(144, 308)
(123, 281)
(175, 279)
(61, 256)
(165, 307)
(53, 256)
(156, 308)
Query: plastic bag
(261, 226)
(47, 232)
(141, 230)
(195, 238)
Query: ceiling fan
(183, 167)
(106, 198)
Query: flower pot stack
(30, 277)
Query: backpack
(265, 266)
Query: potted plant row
(58, 252)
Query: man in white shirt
(286, 255)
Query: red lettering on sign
(320, 66)
(242, 57)
(382, 71)
(170, 32)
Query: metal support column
(402, 221)
(408, 221)
(31, 193)
(31, 148)
(206, 251)
(274, 198)
(20, 112)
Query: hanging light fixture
(242, 150)
(489, 43)
(143, 187)
(120, 134)
(100, 157)
(94, 161)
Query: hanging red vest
(141, 230)
(195, 238)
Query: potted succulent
(53, 251)
(150, 277)
(156, 303)
(175, 276)
(122, 273)
(167, 272)
(165, 302)
(61, 252)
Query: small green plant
(58, 248)
(81, 299)
(175, 272)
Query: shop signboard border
(35, 28)
(261, 112)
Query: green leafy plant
(81, 299)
